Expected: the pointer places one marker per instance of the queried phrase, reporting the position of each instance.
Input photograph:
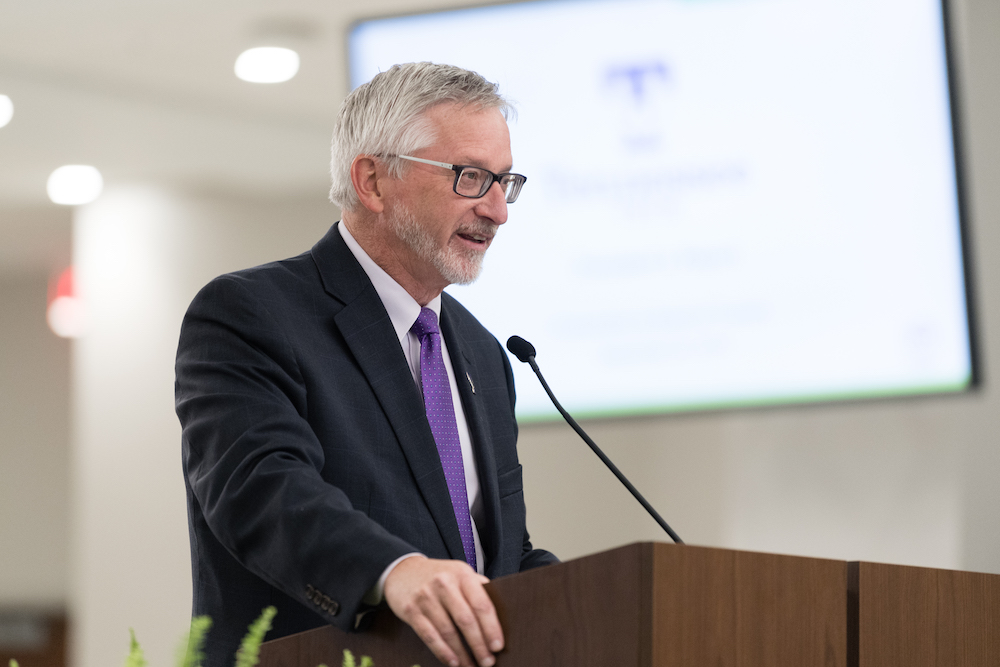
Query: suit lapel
(366, 328)
(459, 348)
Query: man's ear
(365, 176)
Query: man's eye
(472, 176)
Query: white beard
(459, 266)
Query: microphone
(522, 349)
(525, 352)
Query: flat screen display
(729, 202)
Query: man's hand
(444, 601)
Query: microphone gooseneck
(525, 352)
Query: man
(348, 430)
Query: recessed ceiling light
(6, 110)
(267, 64)
(75, 184)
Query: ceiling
(145, 91)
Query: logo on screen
(639, 93)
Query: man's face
(444, 236)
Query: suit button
(334, 607)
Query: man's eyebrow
(477, 163)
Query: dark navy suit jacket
(308, 459)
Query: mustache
(480, 227)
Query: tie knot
(427, 323)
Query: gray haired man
(348, 429)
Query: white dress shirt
(403, 311)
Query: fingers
(485, 613)
(472, 611)
(444, 601)
(442, 645)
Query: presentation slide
(729, 202)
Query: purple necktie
(441, 415)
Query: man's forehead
(471, 134)
(452, 114)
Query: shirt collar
(403, 309)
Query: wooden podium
(922, 617)
(665, 605)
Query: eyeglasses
(475, 182)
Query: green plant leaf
(190, 653)
(249, 653)
(349, 661)
(135, 657)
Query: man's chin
(460, 270)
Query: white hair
(385, 117)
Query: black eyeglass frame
(511, 191)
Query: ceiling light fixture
(75, 184)
(267, 64)
(6, 110)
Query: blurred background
(205, 173)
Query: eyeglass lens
(475, 182)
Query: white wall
(34, 448)
(141, 254)
(981, 501)
(879, 481)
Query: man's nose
(493, 204)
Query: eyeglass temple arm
(433, 162)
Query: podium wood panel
(721, 607)
(643, 605)
(923, 617)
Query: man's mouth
(475, 238)
(481, 237)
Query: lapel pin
(469, 377)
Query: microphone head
(520, 348)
